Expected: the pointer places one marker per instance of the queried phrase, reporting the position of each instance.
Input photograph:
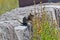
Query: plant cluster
(43, 29)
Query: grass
(43, 29)
(7, 5)
(59, 34)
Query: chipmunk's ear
(30, 14)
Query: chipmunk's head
(30, 17)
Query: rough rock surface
(9, 20)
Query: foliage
(7, 5)
(42, 30)
(49, 32)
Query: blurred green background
(7, 5)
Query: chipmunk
(30, 17)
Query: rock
(10, 20)
(22, 32)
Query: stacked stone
(22, 32)
(7, 28)
(8, 20)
